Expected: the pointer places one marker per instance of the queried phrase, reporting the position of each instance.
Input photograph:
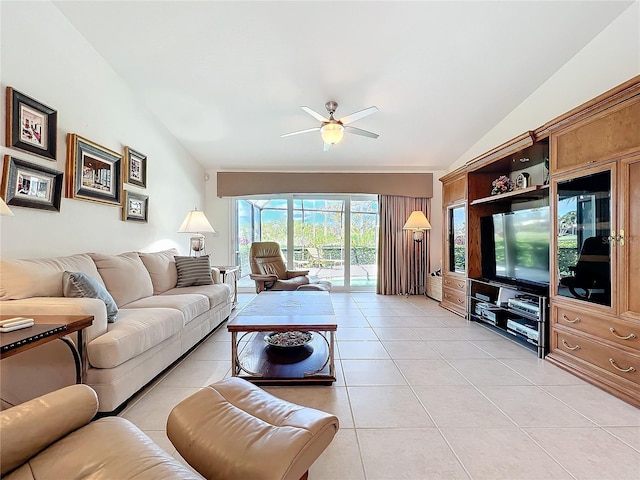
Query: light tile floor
(423, 394)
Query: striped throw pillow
(193, 271)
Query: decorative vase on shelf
(502, 184)
(546, 167)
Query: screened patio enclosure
(335, 237)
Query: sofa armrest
(297, 273)
(29, 428)
(215, 274)
(61, 306)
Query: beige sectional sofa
(156, 321)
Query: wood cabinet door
(598, 138)
(629, 237)
(454, 190)
(585, 254)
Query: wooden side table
(229, 274)
(46, 329)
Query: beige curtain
(402, 262)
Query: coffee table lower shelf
(256, 361)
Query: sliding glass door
(363, 238)
(313, 235)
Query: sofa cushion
(162, 269)
(79, 285)
(41, 277)
(193, 271)
(217, 293)
(124, 275)
(190, 305)
(136, 331)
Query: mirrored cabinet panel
(584, 213)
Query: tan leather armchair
(269, 271)
(52, 436)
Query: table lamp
(196, 222)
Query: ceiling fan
(332, 130)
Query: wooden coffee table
(269, 312)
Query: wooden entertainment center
(584, 169)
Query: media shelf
(535, 192)
(518, 313)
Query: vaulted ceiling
(227, 78)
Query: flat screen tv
(515, 247)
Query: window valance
(234, 184)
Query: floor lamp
(417, 223)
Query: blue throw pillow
(78, 285)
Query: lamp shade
(332, 133)
(196, 222)
(417, 221)
(4, 210)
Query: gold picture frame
(135, 167)
(93, 171)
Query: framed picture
(31, 125)
(136, 167)
(27, 184)
(93, 171)
(136, 207)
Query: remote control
(6, 329)
(10, 322)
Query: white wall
(435, 218)
(612, 58)
(220, 212)
(44, 57)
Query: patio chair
(269, 271)
(318, 260)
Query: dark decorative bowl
(288, 339)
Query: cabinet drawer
(617, 362)
(457, 284)
(454, 299)
(612, 329)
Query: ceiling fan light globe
(332, 133)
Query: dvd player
(524, 306)
(527, 331)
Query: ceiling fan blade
(358, 115)
(314, 114)
(359, 131)
(315, 129)
(327, 146)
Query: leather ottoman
(234, 430)
(320, 286)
